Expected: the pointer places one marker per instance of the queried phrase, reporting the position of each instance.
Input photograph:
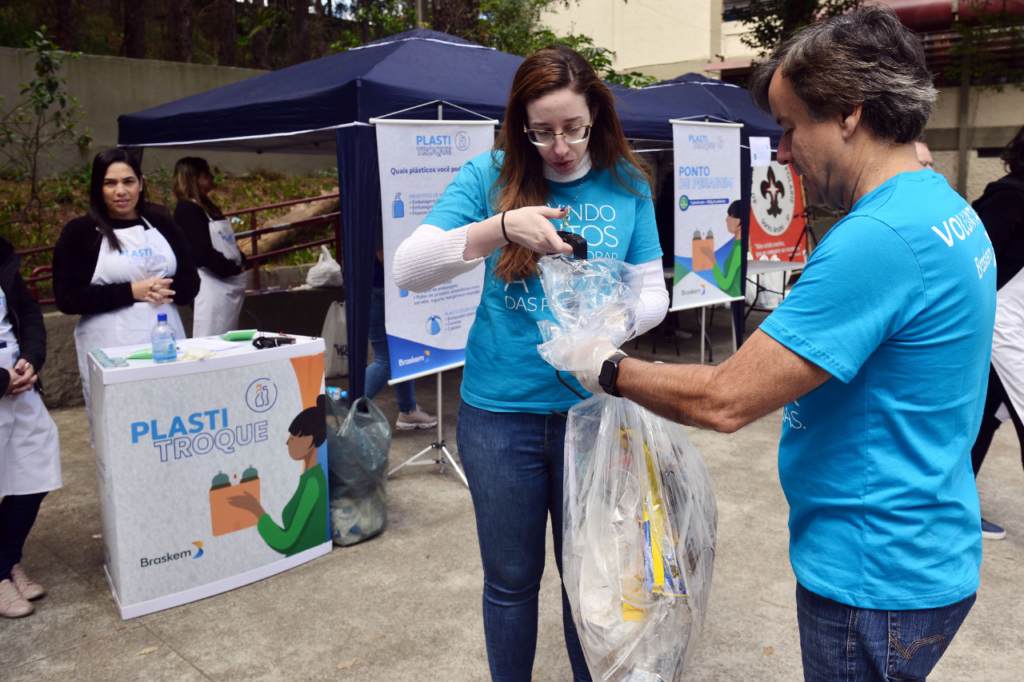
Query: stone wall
(107, 87)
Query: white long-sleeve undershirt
(431, 256)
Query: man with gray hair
(878, 358)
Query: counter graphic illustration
(304, 519)
(225, 517)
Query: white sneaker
(417, 419)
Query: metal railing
(45, 272)
(254, 233)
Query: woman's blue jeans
(840, 643)
(513, 462)
(379, 372)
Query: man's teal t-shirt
(898, 304)
(504, 372)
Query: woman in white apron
(212, 240)
(1001, 209)
(121, 265)
(29, 449)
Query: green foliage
(991, 53)
(382, 18)
(47, 117)
(771, 22)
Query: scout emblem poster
(776, 213)
(708, 243)
(218, 483)
(427, 332)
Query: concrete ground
(406, 605)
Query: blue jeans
(841, 643)
(379, 372)
(513, 462)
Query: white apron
(1008, 340)
(220, 300)
(29, 447)
(144, 254)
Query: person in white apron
(121, 265)
(214, 249)
(1001, 209)
(29, 446)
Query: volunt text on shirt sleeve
(861, 286)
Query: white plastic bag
(639, 514)
(326, 272)
(335, 336)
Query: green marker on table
(239, 335)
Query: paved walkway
(406, 605)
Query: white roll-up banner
(708, 244)
(426, 332)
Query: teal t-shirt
(898, 304)
(504, 372)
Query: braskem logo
(402, 362)
(166, 558)
(199, 544)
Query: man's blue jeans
(841, 643)
(513, 462)
(379, 372)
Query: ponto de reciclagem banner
(708, 244)
(426, 332)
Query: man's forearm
(681, 393)
(759, 379)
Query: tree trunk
(182, 27)
(65, 26)
(319, 41)
(365, 23)
(297, 38)
(135, 29)
(226, 32)
(457, 17)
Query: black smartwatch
(610, 373)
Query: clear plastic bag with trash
(358, 443)
(639, 514)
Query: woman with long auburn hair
(561, 162)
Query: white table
(163, 432)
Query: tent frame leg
(440, 450)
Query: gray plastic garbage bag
(639, 514)
(358, 443)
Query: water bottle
(164, 348)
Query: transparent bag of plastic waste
(358, 443)
(639, 514)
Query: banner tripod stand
(440, 450)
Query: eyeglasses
(546, 138)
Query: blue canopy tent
(324, 107)
(727, 102)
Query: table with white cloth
(175, 443)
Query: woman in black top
(212, 240)
(1001, 209)
(120, 265)
(29, 446)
